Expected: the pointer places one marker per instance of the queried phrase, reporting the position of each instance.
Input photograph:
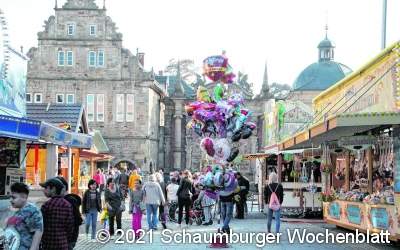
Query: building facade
(80, 59)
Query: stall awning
(93, 155)
(255, 156)
(55, 135)
(19, 128)
(338, 126)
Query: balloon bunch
(224, 181)
(216, 68)
(219, 121)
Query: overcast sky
(283, 32)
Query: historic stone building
(80, 59)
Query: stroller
(196, 213)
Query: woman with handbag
(185, 193)
(136, 207)
(115, 205)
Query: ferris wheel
(4, 46)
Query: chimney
(141, 58)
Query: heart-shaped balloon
(233, 155)
(236, 136)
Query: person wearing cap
(75, 201)
(244, 185)
(58, 217)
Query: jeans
(91, 219)
(118, 218)
(207, 214)
(226, 213)
(151, 210)
(184, 203)
(277, 220)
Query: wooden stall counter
(363, 216)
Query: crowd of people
(56, 224)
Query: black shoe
(206, 224)
(164, 225)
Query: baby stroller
(196, 214)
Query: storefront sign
(373, 90)
(19, 127)
(334, 210)
(81, 141)
(362, 140)
(354, 214)
(55, 135)
(379, 218)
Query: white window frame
(120, 108)
(130, 107)
(62, 96)
(70, 52)
(98, 57)
(30, 97)
(90, 107)
(58, 58)
(95, 59)
(73, 99)
(90, 30)
(41, 98)
(100, 108)
(73, 29)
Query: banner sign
(334, 210)
(379, 218)
(354, 214)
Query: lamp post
(384, 14)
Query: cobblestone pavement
(254, 223)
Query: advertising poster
(354, 214)
(380, 218)
(334, 210)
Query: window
(38, 97)
(92, 59)
(120, 108)
(129, 107)
(100, 107)
(28, 97)
(100, 58)
(61, 58)
(92, 30)
(70, 58)
(90, 107)
(70, 29)
(60, 98)
(70, 98)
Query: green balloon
(218, 92)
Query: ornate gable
(80, 4)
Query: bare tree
(187, 67)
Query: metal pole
(384, 13)
(69, 154)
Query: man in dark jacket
(244, 185)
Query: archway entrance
(125, 164)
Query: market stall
(360, 115)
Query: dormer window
(71, 29)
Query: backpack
(274, 203)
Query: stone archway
(124, 163)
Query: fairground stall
(357, 125)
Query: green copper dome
(324, 73)
(320, 75)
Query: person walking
(91, 206)
(161, 208)
(207, 199)
(122, 181)
(58, 218)
(172, 198)
(27, 220)
(153, 197)
(185, 193)
(136, 206)
(113, 198)
(244, 185)
(273, 195)
(100, 179)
